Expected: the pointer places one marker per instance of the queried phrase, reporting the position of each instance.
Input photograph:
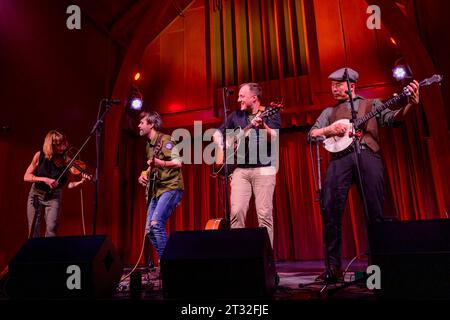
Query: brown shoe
(335, 275)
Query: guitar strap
(365, 106)
(342, 112)
(370, 128)
(156, 152)
(158, 146)
(250, 117)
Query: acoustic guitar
(234, 140)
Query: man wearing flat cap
(341, 172)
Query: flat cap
(339, 75)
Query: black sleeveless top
(47, 168)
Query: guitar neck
(244, 130)
(248, 127)
(263, 115)
(151, 166)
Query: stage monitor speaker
(216, 264)
(414, 258)
(65, 268)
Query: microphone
(112, 101)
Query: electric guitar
(234, 140)
(336, 144)
(152, 172)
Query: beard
(143, 132)
(245, 107)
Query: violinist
(47, 173)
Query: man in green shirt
(163, 179)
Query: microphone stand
(328, 275)
(328, 279)
(319, 176)
(96, 129)
(225, 95)
(356, 147)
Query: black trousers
(341, 174)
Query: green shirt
(166, 178)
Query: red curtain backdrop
(288, 46)
(412, 160)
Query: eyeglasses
(337, 84)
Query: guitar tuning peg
(276, 105)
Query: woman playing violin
(47, 173)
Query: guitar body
(215, 224)
(149, 190)
(336, 143)
(152, 174)
(233, 141)
(219, 170)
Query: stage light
(136, 103)
(137, 76)
(135, 100)
(399, 73)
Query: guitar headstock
(436, 78)
(277, 105)
(272, 109)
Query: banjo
(339, 143)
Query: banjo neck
(436, 78)
(389, 103)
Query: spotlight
(401, 70)
(136, 103)
(399, 73)
(133, 107)
(137, 76)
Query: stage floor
(296, 283)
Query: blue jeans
(159, 211)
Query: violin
(77, 167)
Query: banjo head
(336, 143)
